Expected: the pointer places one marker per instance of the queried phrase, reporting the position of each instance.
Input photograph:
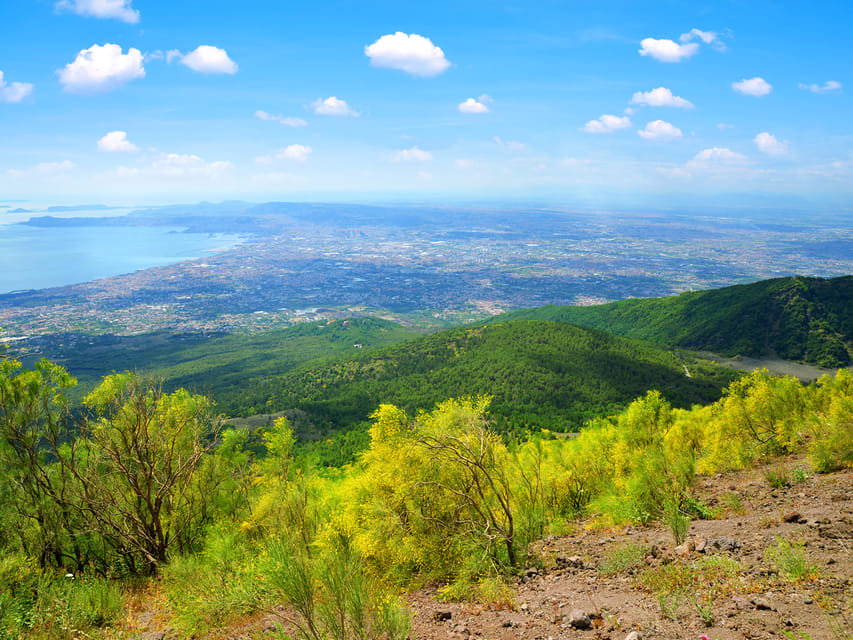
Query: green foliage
(805, 319)
(222, 366)
(790, 560)
(624, 558)
(700, 584)
(49, 603)
(831, 423)
(676, 519)
(222, 582)
(540, 376)
(759, 416)
(437, 495)
(332, 594)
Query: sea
(42, 257)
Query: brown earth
(569, 575)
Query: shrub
(623, 558)
(790, 561)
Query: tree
(143, 452)
(35, 434)
(468, 464)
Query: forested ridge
(798, 318)
(539, 375)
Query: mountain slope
(799, 318)
(215, 364)
(540, 375)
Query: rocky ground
(775, 563)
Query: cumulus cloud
(118, 9)
(286, 121)
(757, 87)
(101, 68)
(667, 50)
(116, 142)
(660, 130)
(717, 157)
(14, 91)
(415, 154)
(332, 106)
(293, 152)
(827, 87)
(411, 53)
(660, 97)
(205, 59)
(476, 105)
(767, 143)
(607, 124)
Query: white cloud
(512, 145)
(667, 50)
(717, 157)
(708, 37)
(173, 54)
(116, 141)
(206, 59)
(411, 53)
(464, 163)
(101, 68)
(286, 121)
(415, 154)
(705, 36)
(757, 87)
(767, 143)
(828, 87)
(118, 9)
(14, 91)
(607, 124)
(722, 126)
(478, 105)
(660, 130)
(294, 152)
(660, 97)
(332, 106)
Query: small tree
(137, 484)
(35, 433)
(468, 465)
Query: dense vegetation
(147, 483)
(540, 375)
(802, 319)
(329, 377)
(218, 363)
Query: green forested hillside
(540, 375)
(803, 319)
(226, 362)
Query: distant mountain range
(802, 319)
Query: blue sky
(147, 101)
